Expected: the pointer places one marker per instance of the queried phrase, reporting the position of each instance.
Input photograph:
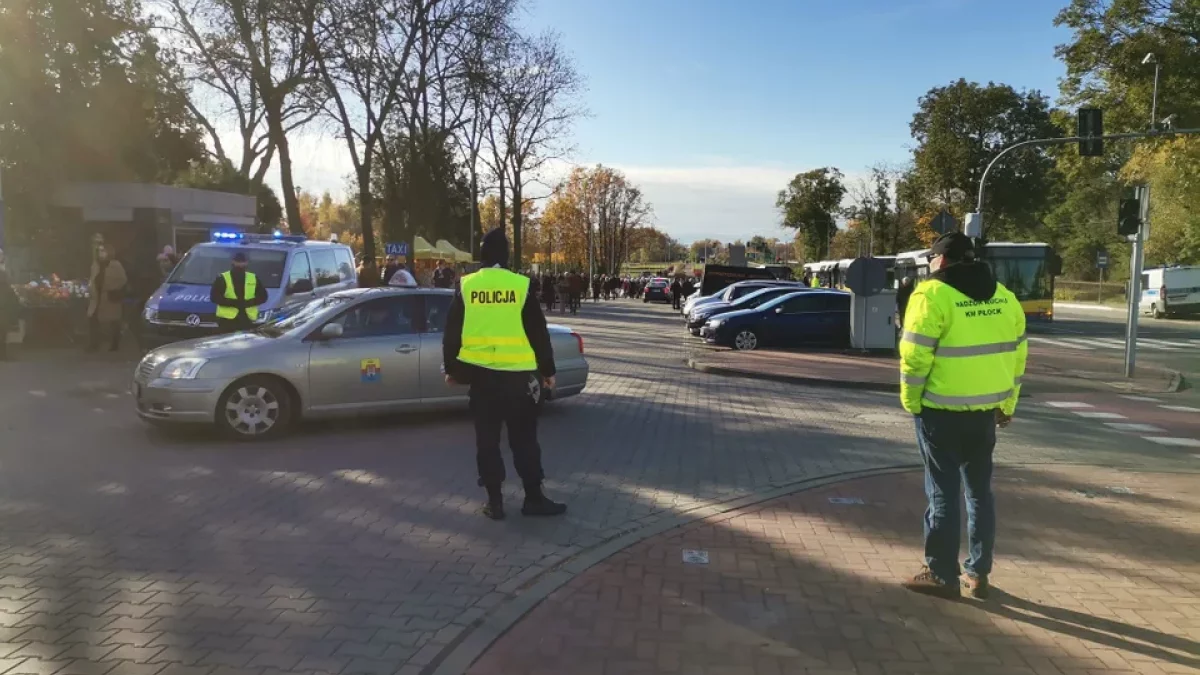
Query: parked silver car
(362, 351)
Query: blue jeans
(956, 447)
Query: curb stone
(476, 638)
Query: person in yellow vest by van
(962, 356)
(237, 295)
(496, 341)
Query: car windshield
(773, 302)
(758, 297)
(302, 318)
(203, 264)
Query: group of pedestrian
(396, 273)
(681, 287)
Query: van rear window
(203, 264)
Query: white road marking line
(1081, 343)
(1157, 344)
(1174, 442)
(1135, 427)
(1067, 405)
(1059, 343)
(1100, 415)
(1149, 399)
(1173, 343)
(38, 393)
(1109, 342)
(1180, 408)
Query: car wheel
(746, 340)
(1158, 313)
(255, 409)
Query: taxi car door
(375, 364)
(433, 380)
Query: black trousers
(504, 400)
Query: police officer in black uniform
(503, 397)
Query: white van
(1170, 291)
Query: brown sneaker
(974, 587)
(926, 583)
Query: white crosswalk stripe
(1093, 343)
(1059, 343)
(1174, 442)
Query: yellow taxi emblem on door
(371, 370)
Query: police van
(1170, 291)
(292, 269)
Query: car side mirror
(301, 286)
(331, 331)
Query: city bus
(1028, 270)
(833, 272)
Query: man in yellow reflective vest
(962, 356)
(497, 342)
(237, 295)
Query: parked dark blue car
(757, 298)
(816, 317)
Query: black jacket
(217, 293)
(10, 304)
(533, 321)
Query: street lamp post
(1151, 58)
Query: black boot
(494, 509)
(538, 504)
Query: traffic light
(1091, 129)
(1129, 217)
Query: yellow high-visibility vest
(250, 290)
(493, 334)
(962, 354)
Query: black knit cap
(955, 246)
(493, 250)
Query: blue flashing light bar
(230, 236)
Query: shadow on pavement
(803, 583)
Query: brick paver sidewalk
(1098, 572)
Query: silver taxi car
(356, 352)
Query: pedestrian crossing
(1088, 344)
(1120, 422)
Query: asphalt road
(1167, 343)
(358, 547)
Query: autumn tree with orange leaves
(591, 220)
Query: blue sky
(712, 105)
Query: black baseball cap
(955, 246)
(239, 257)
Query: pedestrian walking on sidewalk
(496, 340)
(962, 355)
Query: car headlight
(268, 315)
(183, 368)
(150, 313)
(716, 323)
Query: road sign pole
(1135, 285)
